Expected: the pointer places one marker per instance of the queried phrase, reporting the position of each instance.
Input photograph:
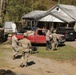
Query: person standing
(54, 40)
(26, 47)
(15, 43)
(48, 43)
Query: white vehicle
(10, 27)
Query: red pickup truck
(40, 38)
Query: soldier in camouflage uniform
(54, 40)
(15, 45)
(26, 46)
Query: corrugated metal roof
(69, 9)
(50, 18)
(59, 12)
(65, 13)
(63, 17)
(34, 15)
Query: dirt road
(40, 66)
(71, 43)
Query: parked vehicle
(69, 32)
(10, 27)
(40, 38)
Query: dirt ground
(40, 66)
(71, 43)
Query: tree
(3, 9)
(73, 2)
(13, 10)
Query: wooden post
(67, 25)
(52, 26)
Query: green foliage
(15, 9)
(66, 2)
(2, 57)
(40, 6)
(72, 2)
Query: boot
(22, 65)
(14, 57)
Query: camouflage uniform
(15, 46)
(26, 45)
(54, 40)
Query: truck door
(40, 37)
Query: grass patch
(4, 48)
(2, 59)
(64, 53)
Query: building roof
(63, 12)
(50, 18)
(62, 16)
(69, 9)
(60, 13)
(34, 15)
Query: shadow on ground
(30, 63)
(18, 56)
(8, 72)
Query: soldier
(48, 42)
(54, 40)
(15, 45)
(26, 46)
